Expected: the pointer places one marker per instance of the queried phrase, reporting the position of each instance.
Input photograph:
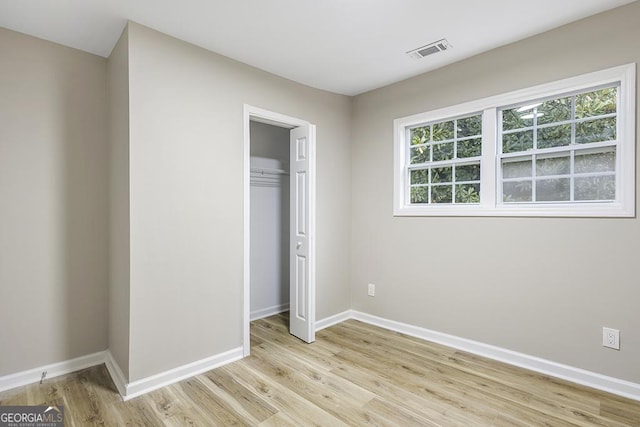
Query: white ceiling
(344, 46)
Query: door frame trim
(252, 113)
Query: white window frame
(490, 204)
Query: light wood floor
(355, 374)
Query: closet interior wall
(269, 220)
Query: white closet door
(302, 223)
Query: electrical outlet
(371, 290)
(611, 338)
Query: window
(444, 161)
(561, 149)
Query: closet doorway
(279, 221)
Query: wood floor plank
(381, 412)
(355, 374)
(82, 408)
(458, 373)
(437, 411)
(618, 409)
(329, 392)
(454, 404)
(237, 398)
(322, 353)
(303, 411)
(414, 375)
(209, 409)
(165, 403)
(136, 412)
(279, 420)
(277, 333)
(479, 366)
(419, 365)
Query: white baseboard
(145, 385)
(115, 372)
(269, 311)
(580, 376)
(127, 391)
(334, 320)
(53, 370)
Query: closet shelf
(267, 177)
(268, 171)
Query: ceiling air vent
(429, 49)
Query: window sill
(588, 210)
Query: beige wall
(186, 136)
(540, 286)
(119, 245)
(53, 192)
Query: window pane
(554, 136)
(514, 192)
(595, 188)
(558, 165)
(441, 194)
(553, 190)
(420, 154)
(420, 135)
(439, 142)
(595, 162)
(470, 126)
(469, 148)
(596, 130)
(516, 169)
(468, 193)
(441, 175)
(511, 119)
(442, 131)
(419, 195)
(420, 176)
(468, 173)
(596, 103)
(555, 110)
(443, 151)
(518, 141)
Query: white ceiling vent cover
(430, 49)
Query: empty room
(323, 213)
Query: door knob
(298, 245)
